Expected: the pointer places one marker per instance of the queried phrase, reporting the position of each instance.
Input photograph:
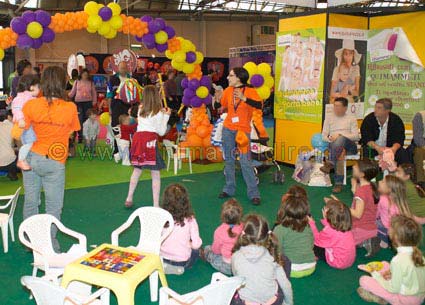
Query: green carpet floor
(97, 211)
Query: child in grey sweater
(256, 257)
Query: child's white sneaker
(126, 162)
(117, 157)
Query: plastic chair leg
(5, 234)
(11, 228)
(153, 283)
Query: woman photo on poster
(346, 75)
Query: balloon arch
(34, 28)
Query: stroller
(262, 156)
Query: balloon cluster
(32, 29)
(199, 130)
(260, 78)
(105, 20)
(7, 39)
(196, 92)
(158, 34)
(133, 26)
(185, 57)
(68, 22)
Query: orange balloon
(202, 131)
(194, 141)
(206, 141)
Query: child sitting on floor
(219, 255)
(415, 194)
(181, 248)
(393, 201)
(405, 282)
(335, 243)
(364, 206)
(294, 233)
(256, 257)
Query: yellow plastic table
(123, 282)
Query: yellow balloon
(269, 81)
(115, 8)
(105, 118)
(91, 8)
(91, 30)
(161, 37)
(202, 92)
(112, 34)
(264, 69)
(168, 54)
(94, 22)
(116, 21)
(263, 92)
(186, 45)
(100, 5)
(188, 68)
(199, 58)
(104, 28)
(251, 68)
(34, 30)
(1, 54)
(177, 65)
(180, 56)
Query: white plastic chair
(219, 292)
(152, 234)
(35, 233)
(47, 293)
(6, 219)
(177, 153)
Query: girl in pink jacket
(335, 243)
(28, 89)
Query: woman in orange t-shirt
(53, 120)
(240, 101)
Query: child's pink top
(223, 243)
(18, 103)
(84, 91)
(179, 244)
(340, 249)
(368, 219)
(386, 211)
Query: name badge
(235, 119)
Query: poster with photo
(394, 71)
(299, 75)
(345, 66)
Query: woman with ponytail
(404, 282)
(219, 254)
(257, 258)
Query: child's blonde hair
(122, 118)
(397, 194)
(405, 232)
(151, 101)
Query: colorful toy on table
(113, 260)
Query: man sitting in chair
(383, 129)
(340, 130)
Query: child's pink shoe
(23, 165)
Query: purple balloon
(149, 40)
(105, 13)
(196, 101)
(24, 41)
(138, 38)
(18, 25)
(208, 99)
(257, 80)
(48, 35)
(170, 31)
(154, 26)
(193, 84)
(36, 43)
(190, 57)
(185, 82)
(43, 17)
(28, 16)
(189, 93)
(161, 23)
(205, 81)
(146, 18)
(186, 100)
(162, 47)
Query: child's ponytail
(370, 170)
(375, 193)
(273, 246)
(417, 257)
(230, 232)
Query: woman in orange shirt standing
(240, 100)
